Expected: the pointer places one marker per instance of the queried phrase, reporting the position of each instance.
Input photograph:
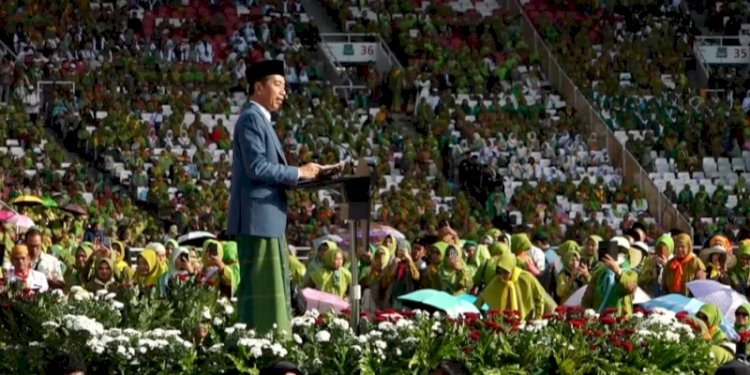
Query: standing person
(258, 203)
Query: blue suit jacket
(260, 176)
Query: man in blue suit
(258, 204)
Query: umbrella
(195, 239)
(49, 202)
(380, 230)
(21, 221)
(74, 209)
(328, 237)
(723, 296)
(431, 299)
(28, 200)
(5, 215)
(677, 303)
(470, 298)
(576, 298)
(323, 302)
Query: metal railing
(704, 68)
(721, 40)
(659, 206)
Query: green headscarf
(739, 328)
(499, 248)
(329, 279)
(569, 246)
(568, 256)
(231, 260)
(667, 240)
(519, 243)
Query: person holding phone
(181, 269)
(215, 272)
(402, 276)
(614, 284)
(516, 289)
(574, 275)
(454, 277)
(650, 279)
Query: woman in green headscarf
(590, 254)
(78, 274)
(454, 276)
(739, 275)
(514, 288)
(316, 261)
(401, 276)
(613, 283)
(651, 275)
(520, 245)
(486, 272)
(574, 276)
(742, 318)
(215, 271)
(474, 260)
(373, 281)
(231, 260)
(721, 348)
(122, 269)
(332, 278)
(429, 278)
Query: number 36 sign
(354, 52)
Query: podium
(356, 193)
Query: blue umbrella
(678, 303)
(470, 298)
(431, 299)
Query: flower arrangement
(113, 338)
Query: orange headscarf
(677, 264)
(721, 241)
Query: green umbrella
(49, 202)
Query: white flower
(312, 314)
(83, 323)
(398, 352)
(206, 313)
(240, 326)
(380, 344)
(218, 321)
(35, 343)
(101, 292)
(436, 315)
(228, 309)
(76, 289)
(216, 347)
(58, 294)
(80, 296)
(387, 327)
(404, 324)
(50, 325)
(638, 315)
(158, 332)
(322, 336)
(121, 350)
(142, 349)
(229, 330)
(357, 348)
(297, 338)
(110, 296)
(340, 323)
(590, 313)
(117, 305)
(278, 350)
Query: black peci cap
(263, 69)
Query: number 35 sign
(726, 54)
(354, 52)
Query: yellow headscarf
(154, 269)
(501, 292)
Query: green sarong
(264, 297)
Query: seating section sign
(354, 52)
(726, 54)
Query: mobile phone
(185, 257)
(611, 249)
(107, 242)
(452, 253)
(213, 250)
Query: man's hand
(309, 171)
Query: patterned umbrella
(74, 209)
(381, 230)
